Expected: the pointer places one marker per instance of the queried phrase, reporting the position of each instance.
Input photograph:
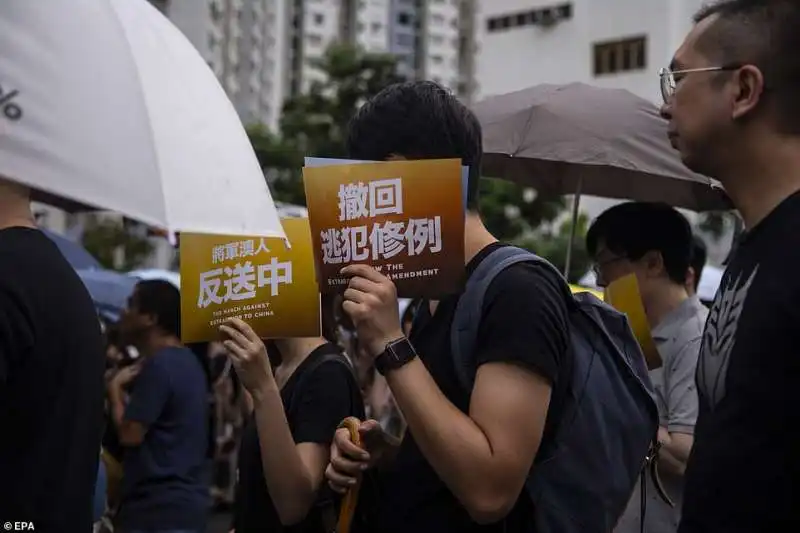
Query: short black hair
(699, 257)
(634, 228)
(418, 120)
(162, 300)
(763, 33)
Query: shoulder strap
(308, 371)
(469, 309)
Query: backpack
(584, 475)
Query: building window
(437, 19)
(543, 16)
(314, 39)
(623, 55)
(436, 39)
(376, 27)
(405, 40)
(319, 19)
(404, 19)
(437, 60)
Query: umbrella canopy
(575, 138)
(105, 103)
(109, 291)
(74, 253)
(157, 273)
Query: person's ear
(653, 263)
(748, 86)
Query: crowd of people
(264, 421)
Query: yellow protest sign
(263, 281)
(405, 218)
(623, 294)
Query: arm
(147, 402)
(681, 395)
(484, 457)
(294, 465)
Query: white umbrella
(106, 104)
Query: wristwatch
(397, 353)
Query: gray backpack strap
(466, 321)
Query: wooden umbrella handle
(348, 508)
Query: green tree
(314, 123)
(553, 246)
(114, 245)
(510, 210)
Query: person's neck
(476, 236)
(294, 351)
(156, 342)
(15, 206)
(763, 177)
(669, 298)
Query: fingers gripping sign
(248, 354)
(371, 302)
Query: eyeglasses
(598, 266)
(668, 82)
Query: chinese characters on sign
(241, 281)
(233, 250)
(381, 241)
(268, 283)
(375, 220)
(378, 240)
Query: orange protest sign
(267, 282)
(623, 294)
(405, 218)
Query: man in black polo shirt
(464, 458)
(731, 99)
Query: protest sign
(405, 218)
(328, 161)
(623, 295)
(267, 282)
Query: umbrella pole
(576, 203)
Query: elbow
(291, 511)
(489, 507)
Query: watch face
(397, 354)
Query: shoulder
(529, 282)
(333, 372)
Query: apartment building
(606, 43)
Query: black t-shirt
(744, 471)
(327, 395)
(524, 321)
(51, 386)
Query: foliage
(314, 123)
(510, 210)
(553, 245)
(114, 245)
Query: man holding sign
(465, 457)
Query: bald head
(763, 33)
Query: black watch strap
(397, 353)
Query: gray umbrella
(579, 139)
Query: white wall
(518, 58)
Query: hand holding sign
(248, 354)
(371, 302)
